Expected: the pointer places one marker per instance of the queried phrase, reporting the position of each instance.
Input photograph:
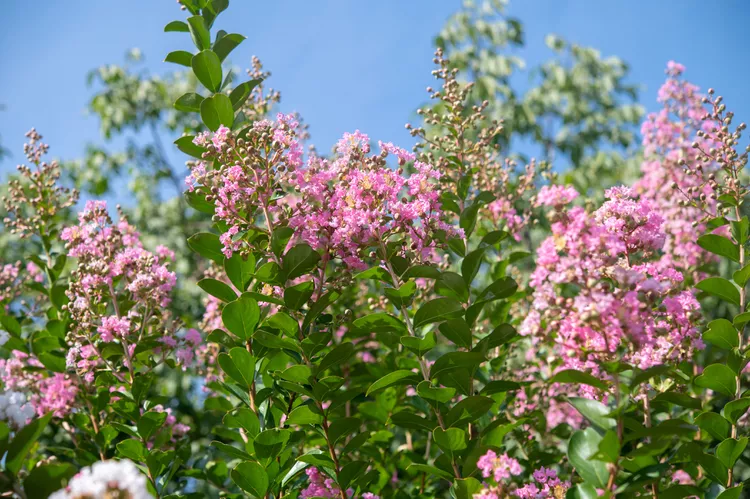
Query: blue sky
(342, 64)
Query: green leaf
(269, 272)
(741, 319)
(45, 479)
(183, 58)
(207, 245)
(409, 420)
(338, 355)
(735, 409)
(176, 26)
(375, 273)
(297, 374)
(718, 378)
(417, 271)
(742, 276)
(400, 377)
(730, 450)
(296, 296)
(450, 440)
(189, 102)
(380, 323)
(720, 245)
(722, 334)
(216, 111)
(226, 44)
(457, 331)
(609, 448)
(283, 322)
(468, 219)
(299, 260)
(731, 493)
(713, 467)
(578, 378)
(132, 449)
(465, 488)
(280, 239)
(350, 472)
(150, 423)
(581, 448)
(420, 346)
(437, 310)
(24, 439)
(239, 95)
(241, 316)
(218, 289)
(240, 270)
(252, 478)
(680, 399)
(452, 285)
(270, 340)
(401, 297)
(472, 262)
(429, 470)
(720, 287)
(499, 386)
(199, 32)
(502, 288)
(714, 424)
(468, 410)
(207, 68)
(318, 307)
(456, 360)
(595, 412)
(238, 365)
(243, 418)
(501, 335)
(343, 427)
(584, 491)
(186, 145)
(305, 414)
(197, 200)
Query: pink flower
(555, 195)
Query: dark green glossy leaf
(207, 245)
(252, 478)
(437, 310)
(718, 378)
(241, 316)
(720, 245)
(720, 287)
(218, 289)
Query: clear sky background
(342, 64)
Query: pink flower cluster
(668, 136)
(55, 393)
(555, 195)
(354, 201)
(322, 486)
(113, 268)
(600, 290)
(547, 485)
(251, 170)
(498, 468)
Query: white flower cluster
(15, 409)
(101, 479)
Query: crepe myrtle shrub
(379, 322)
(327, 393)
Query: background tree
(576, 109)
